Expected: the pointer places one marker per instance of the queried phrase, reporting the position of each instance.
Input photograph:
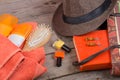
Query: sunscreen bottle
(7, 22)
(20, 33)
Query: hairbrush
(38, 37)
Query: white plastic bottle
(20, 33)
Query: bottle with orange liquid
(20, 33)
(7, 21)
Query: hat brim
(70, 30)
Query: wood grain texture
(42, 11)
(28, 9)
(66, 68)
(93, 75)
(69, 72)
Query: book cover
(87, 45)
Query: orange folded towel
(18, 65)
(28, 70)
(7, 50)
(37, 54)
(7, 70)
(31, 67)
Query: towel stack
(18, 65)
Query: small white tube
(16, 39)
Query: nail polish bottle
(59, 55)
(59, 44)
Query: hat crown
(75, 8)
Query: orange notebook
(87, 45)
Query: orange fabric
(59, 54)
(8, 69)
(83, 50)
(31, 67)
(26, 72)
(18, 65)
(40, 58)
(6, 51)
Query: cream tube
(20, 33)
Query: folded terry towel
(37, 54)
(10, 58)
(28, 70)
(18, 65)
(7, 70)
(31, 67)
(7, 50)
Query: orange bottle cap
(5, 29)
(59, 53)
(23, 29)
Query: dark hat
(77, 17)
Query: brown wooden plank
(40, 11)
(91, 75)
(66, 68)
(49, 48)
(68, 72)
(47, 18)
(28, 9)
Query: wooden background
(42, 11)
